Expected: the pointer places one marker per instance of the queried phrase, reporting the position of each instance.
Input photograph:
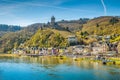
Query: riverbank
(109, 60)
(9, 55)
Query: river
(51, 68)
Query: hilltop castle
(53, 24)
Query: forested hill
(8, 28)
(12, 39)
(105, 25)
(49, 38)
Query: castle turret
(53, 20)
(53, 24)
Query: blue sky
(25, 12)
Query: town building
(72, 40)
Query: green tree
(86, 33)
(97, 25)
(67, 28)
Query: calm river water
(49, 68)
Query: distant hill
(73, 25)
(8, 28)
(103, 25)
(11, 28)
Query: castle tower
(53, 20)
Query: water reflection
(52, 68)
